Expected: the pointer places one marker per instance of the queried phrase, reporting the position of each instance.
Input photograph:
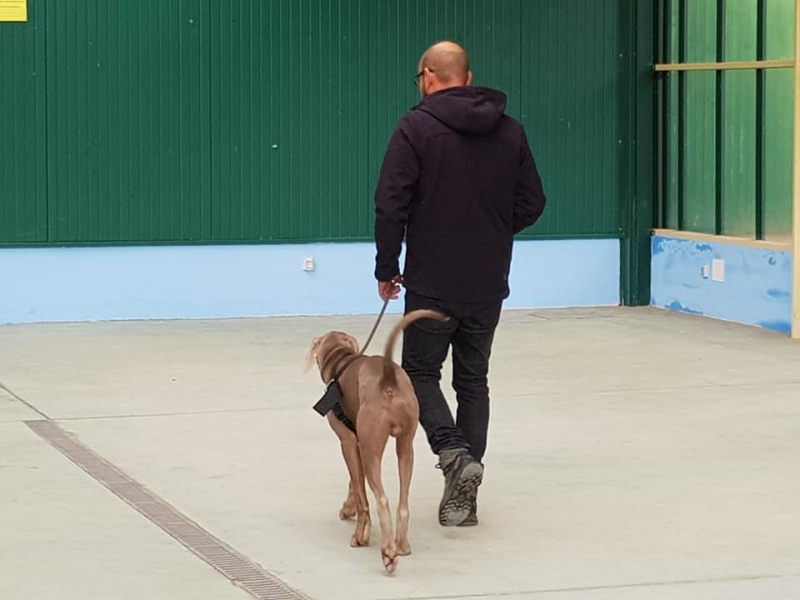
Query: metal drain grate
(237, 568)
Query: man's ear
(427, 78)
(469, 77)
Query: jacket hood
(467, 109)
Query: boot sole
(455, 509)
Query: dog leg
(349, 508)
(372, 454)
(405, 467)
(357, 489)
(363, 528)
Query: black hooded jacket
(459, 181)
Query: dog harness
(332, 398)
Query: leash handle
(375, 327)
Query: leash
(375, 327)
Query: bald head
(448, 62)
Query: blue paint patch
(657, 247)
(675, 305)
(755, 291)
(780, 326)
(776, 294)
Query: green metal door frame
(638, 30)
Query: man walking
(458, 181)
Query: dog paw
(362, 532)
(390, 563)
(390, 558)
(403, 548)
(349, 508)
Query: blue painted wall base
(756, 289)
(169, 282)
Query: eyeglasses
(418, 75)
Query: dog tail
(389, 376)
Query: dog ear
(312, 353)
(352, 342)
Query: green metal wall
(728, 134)
(167, 121)
(23, 152)
(571, 104)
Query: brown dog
(378, 398)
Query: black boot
(472, 517)
(462, 476)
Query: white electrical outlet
(718, 270)
(308, 264)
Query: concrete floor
(633, 454)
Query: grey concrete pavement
(632, 454)
(63, 536)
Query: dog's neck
(330, 367)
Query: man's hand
(389, 290)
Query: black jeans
(470, 332)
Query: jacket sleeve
(396, 187)
(529, 201)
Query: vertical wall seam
(761, 24)
(719, 130)
(682, 115)
(42, 6)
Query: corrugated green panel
(698, 149)
(778, 150)
(257, 152)
(778, 123)
(239, 120)
(305, 94)
(701, 112)
(673, 24)
(339, 165)
(741, 29)
(23, 190)
(699, 209)
(738, 193)
(127, 118)
(701, 30)
(780, 30)
(739, 154)
(570, 108)
(672, 169)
